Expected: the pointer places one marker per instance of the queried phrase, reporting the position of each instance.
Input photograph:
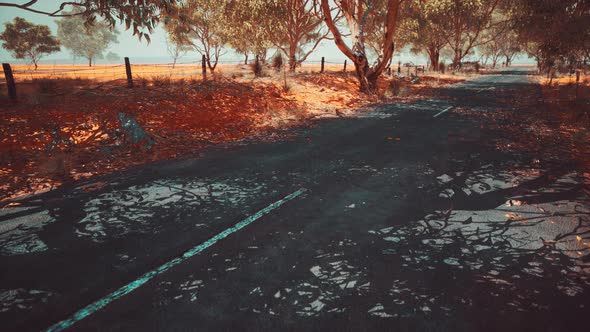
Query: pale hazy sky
(131, 47)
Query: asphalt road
(407, 222)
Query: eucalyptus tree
(248, 26)
(298, 29)
(463, 23)
(295, 27)
(200, 25)
(83, 40)
(175, 47)
(422, 28)
(491, 51)
(25, 40)
(356, 13)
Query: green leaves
(26, 40)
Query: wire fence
(12, 75)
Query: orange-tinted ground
(67, 129)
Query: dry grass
(563, 80)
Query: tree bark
(292, 58)
(434, 56)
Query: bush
(45, 85)
(257, 68)
(277, 62)
(161, 81)
(143, 82)
(395, 87)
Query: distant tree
(200, 25)
(510, 46)
(85, 41)
(422, 28)
(25, 40)
(112, 57)
(298, 29)
(356, 14)
(463, 22)
(491, 51)
(248, 27)
(140, 16)
(176, 49)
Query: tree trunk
(35, 63)
(456, 61)
(367, 82)
(211, 66)
(89, 62)
(245, 58)
(292, 57)
(292, 60)
(174, 63)
(434, 56)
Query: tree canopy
(84, 41)
(553, 31)
(26, 40)
(200, 25)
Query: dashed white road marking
(443, 112)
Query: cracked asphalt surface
(409, 223)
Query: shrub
(142, 81)
(395, 87)
(442, 67)
(45, 85)
(161, 81)
(277, 62)
(257, 68)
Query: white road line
(443, 112)
(130, 287)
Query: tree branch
(26, 6)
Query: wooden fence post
(9, 81)
(322, 70)
(344, 66)
(204, 67)
(128, 71)
(399, 67)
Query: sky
(141, 51)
